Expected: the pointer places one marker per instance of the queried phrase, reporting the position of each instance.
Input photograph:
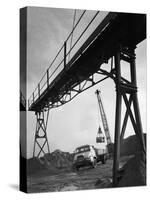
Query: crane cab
(100, 137)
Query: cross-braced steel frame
(41, 139)
(122, 90)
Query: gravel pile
(52, 163)
(134, 171)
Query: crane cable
(72, 31)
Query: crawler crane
(102, 154)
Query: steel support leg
(41, 135)
(136, 102)
(118, 119)
(122, 89)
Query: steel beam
(135, 101)
(118, 119)
(125, 121)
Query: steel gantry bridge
(115, 38)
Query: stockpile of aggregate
(134, 171)
(52, 162)
(60, 159)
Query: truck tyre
(94, 163)
(104, 160)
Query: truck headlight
(91, 158)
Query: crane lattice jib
(103, 117)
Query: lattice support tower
(127, 91)
(41, 145)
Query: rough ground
(54, 172)
(85, 178)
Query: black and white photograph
(82, 99)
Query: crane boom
(103, 117)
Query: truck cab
(84, 156)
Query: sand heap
(60, 159)
(131, 145)
(50, 162)
(134, 171)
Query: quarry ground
(85, 178)
(59, 176)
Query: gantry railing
(85, 25)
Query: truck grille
(80, 157)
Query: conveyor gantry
(116, 29)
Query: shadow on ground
(14, 186)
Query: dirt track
(85, 178)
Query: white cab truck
(84, 155)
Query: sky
(75, 123)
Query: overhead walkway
(60, 85)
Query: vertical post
(135, 101)
(35, 137)
(47, 77)
(65, 54)
(117, 119)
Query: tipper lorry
(88, 155)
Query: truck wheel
(94, 163)
(104, 160)
(77, 168)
